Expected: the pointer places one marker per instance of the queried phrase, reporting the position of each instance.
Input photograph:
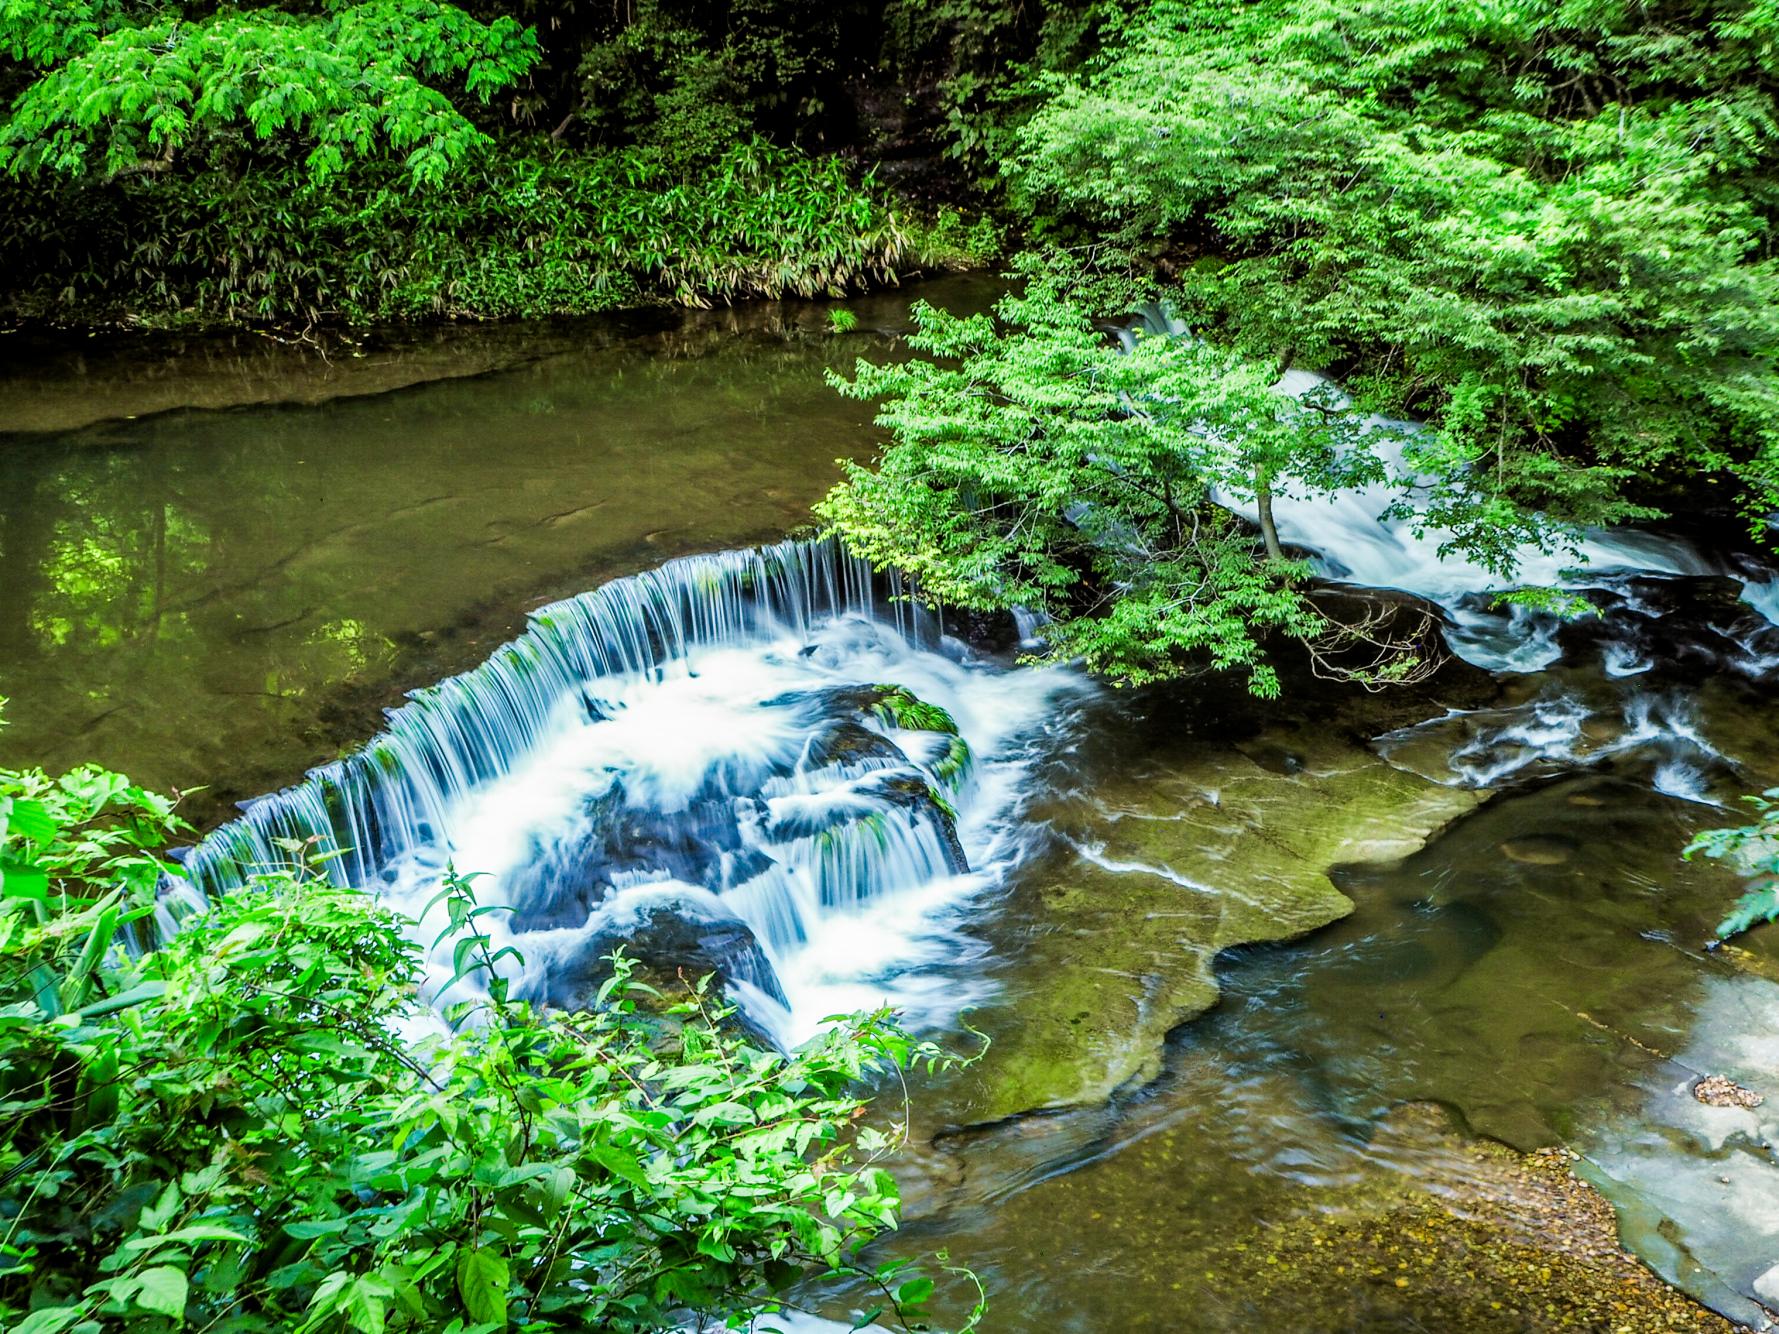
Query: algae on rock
(1111, 942)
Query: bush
(545, 231)
(242, 1131)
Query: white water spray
(701, 758)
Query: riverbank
(538, 232)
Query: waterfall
(701, 763)
(394, 794)
(1354, 540)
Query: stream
(1307, 1015)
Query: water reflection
(228, 596)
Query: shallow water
(1537, 971)
(229, 595)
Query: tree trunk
(1269, 533)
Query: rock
(1680, 625)
(852, 743)
(912, 793)
(670, 939)
(1115, 937)
(1538, 849)
(562, 884)
(1720, 1091)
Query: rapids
(697, 743)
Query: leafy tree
(1034, 464)
(1548, 232)
(126, 87)
(241, 1130)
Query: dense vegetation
(1547, 232)
(327, 161)
(1036, 464)
(262, 1124)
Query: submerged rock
(669, 939)
(1480, 1239)
(1118, 933)
(1720, 1091)
(1538, 849)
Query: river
(1302, 1014)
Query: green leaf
(22, 880)
(163, 1290)
(1758, 905)
(48, 1320)
(124, 1000)
(197, 1232)
(312, 1228)
(619, 1164)
(29, 819)
(914, 1292)
(482, 1279)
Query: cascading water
(1355, 539)
(1653, 632)
(707, 763)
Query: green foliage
(900, 707)
(689, 80)
(129, 88)
(249, 1128)
(1548, 231)
(522, 234)
(188, 164)
(1036, 465)
(983, 62)
(1752, 850)
(952, 239)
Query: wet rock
(671, 940)
(912, 793)
(561, 885)
(1538, 849)
(1119, 932)
(851, 743)
(891, 705)
(1721, 1091)
(1672, 627)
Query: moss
(900, 707)
(1115, 940)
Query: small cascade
(1654, 734)
(395, 794)
(699, 765)
(1356, 542)
(1355, 539)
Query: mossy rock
(1112, 942)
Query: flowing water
(763, 761)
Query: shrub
(246, 1128)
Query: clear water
(227, 595)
